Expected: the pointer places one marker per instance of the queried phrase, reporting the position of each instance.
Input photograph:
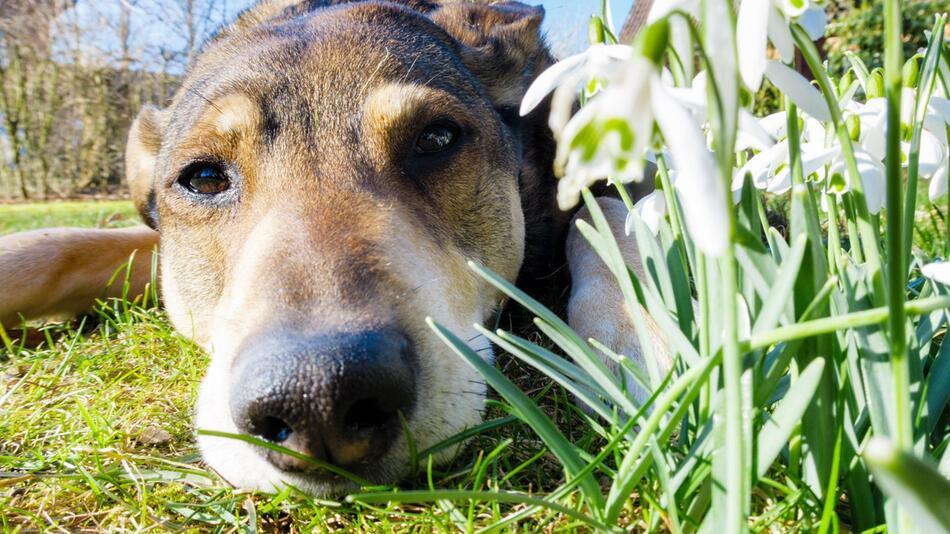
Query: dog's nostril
(272, 429)
(367, 413)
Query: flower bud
(654, 40)
(875, 84)
(911, 72)
(595, 30)
(845, 81)
(853, 123)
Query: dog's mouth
(368, 435)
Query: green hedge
(861, 30)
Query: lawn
(97, 433)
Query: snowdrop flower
(770, 171)
(938, 271)
(651, 209)
(599, 63)
(873, 176)
(933, 141)
(609, 136)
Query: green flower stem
(827, 325)
(624, 195)
(868, 231)
(893, 64)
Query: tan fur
(62, 271)
(596, 308)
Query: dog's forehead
(331, 57)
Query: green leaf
(777, 428)
(916, 484)
(527, 410)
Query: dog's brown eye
(205, 179)
(436, 138)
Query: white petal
(781, 36)
(651, 209)
(720, 38)
(814, 20)
(942, 107)
(814, 156)
(775, 124)
(873, 177)
(751, 33)
(933, 153)
(568, 71)
(702, 192)
(751, 134)
(760, 166)
(555, 76)
(937, 271)
(798, 89)
(938, 184)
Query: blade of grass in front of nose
(293, 454)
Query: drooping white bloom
(609, 136)
(598, 63)
(938, 271)
(873, 177)
(651, 209)
(933, 158)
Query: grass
(97, 435)
(99, 214)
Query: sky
(155, 31)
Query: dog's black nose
(336, 397)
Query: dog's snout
(335, 398)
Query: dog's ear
(141, 151)
(500, 43)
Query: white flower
(873, 177)
(651, 209)
(609, 136)
(938, 271)
(599, 63)
(933, 139)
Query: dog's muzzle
(335, 397)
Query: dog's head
(320, 181)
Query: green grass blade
(528, 411)
(456, 495)
(779, 426)
(916, 485)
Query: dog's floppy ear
(500, 43)
(141, 151)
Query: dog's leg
(596, 309)
(58, 271)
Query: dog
(316, 188)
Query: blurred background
(73, 74)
